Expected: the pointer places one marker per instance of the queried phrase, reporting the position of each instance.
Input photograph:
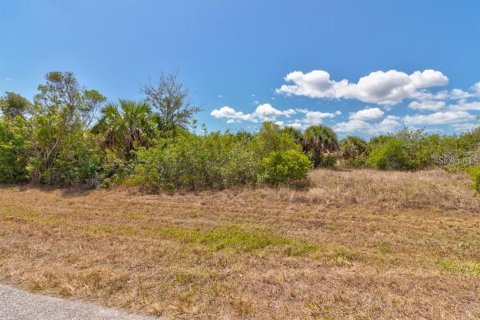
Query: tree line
(69, 135)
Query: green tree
(170, 102)
(14, 150)
(296, 134)
(61, 110)
(13, 105)
(270, 138)
(125, 127)
(319, 140)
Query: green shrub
(284, 167)
(474, 173)
(327, 160)
(392, 155)
(13, 151)
(271, 138)
(196, 162)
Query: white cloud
(367, 114)
(264, 112)
(220, 96)
(316, 117)
(230, 114)
(295, 125)
(465, 106)
(459, 94)
(438, 118)
(476, 89)
(427, 105)
(352, 126)
(388, 124)
(384, 88)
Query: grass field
(356, 245)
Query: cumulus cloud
(476, 89)
(367, 114)
(311, 118)
(388, 124)
(230, 114)
(438, 118)
(380, 87)
(465, 106)
(427, 105)
(264, 112)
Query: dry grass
(356, 245)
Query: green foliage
(58, 140)
(353, 151)
(392, 155)
(195, 162)
(271, 138)
(13, 105)
(14, 145)
(327, 160)
(170, 103)
(220, 161)
(317, 141)
(474, 173)
(62, 150)
(125, 127)
(295, 134)
(281, 167)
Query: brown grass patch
(359, 244)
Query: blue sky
(362, 67)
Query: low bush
(218, 161)
(284, 166)
(195, 162)
(474, 173)
(392, 155)
(327, 160)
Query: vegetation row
(69, 135)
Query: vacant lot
(357, 245)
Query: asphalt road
(21, 305)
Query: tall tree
(319, 140)
(170, 102)
(61, 110)
(13, 105)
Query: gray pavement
(21, 305)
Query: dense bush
(14, 146)
(219, 161)
(392, 155)
(195, 162)
(284, 167)
(474, 173)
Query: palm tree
(125, 127)
(318, 140)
